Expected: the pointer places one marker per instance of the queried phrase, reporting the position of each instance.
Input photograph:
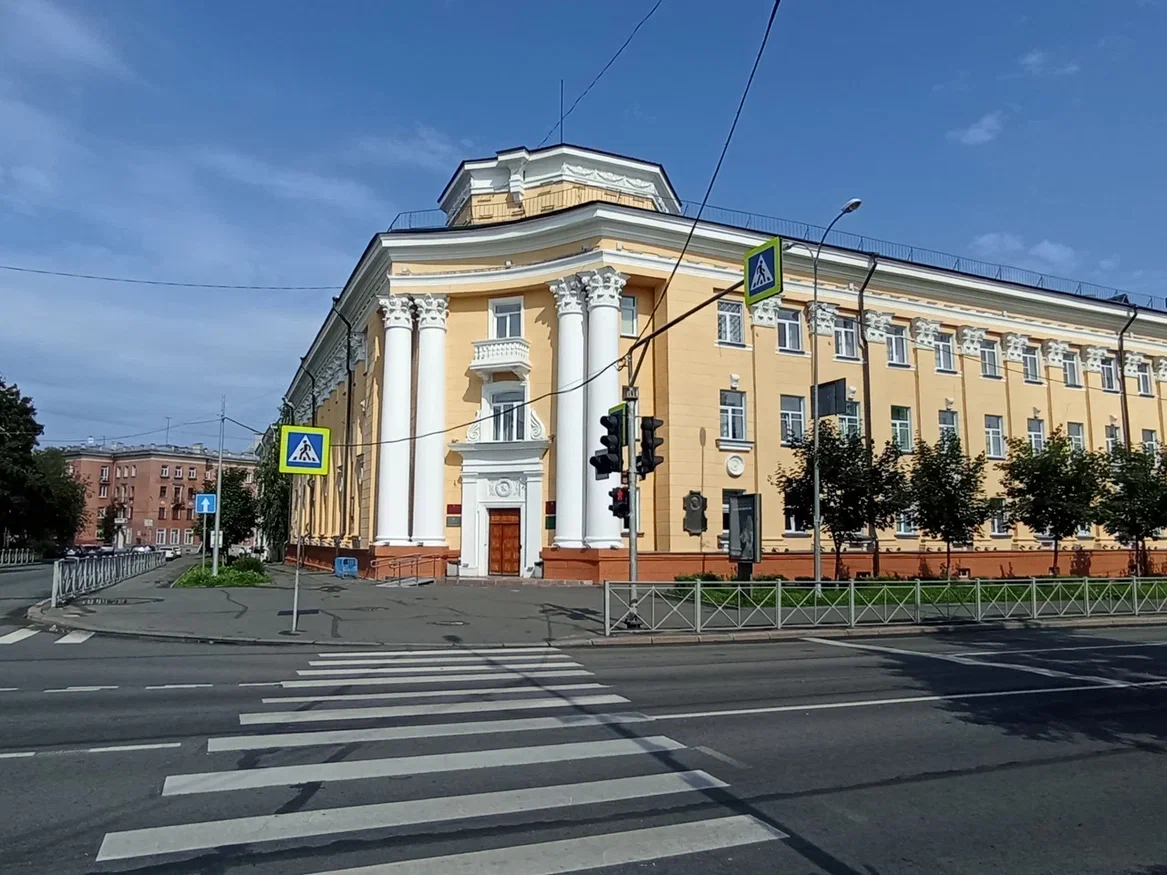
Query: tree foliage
(1133, 504)
(108, 526)
(60, 512)
(947, 493)
(852, 492)
(274, 488)
(1053, 490)
(238, 513)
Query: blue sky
(265, 142)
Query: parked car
(169, 553)
(143, 548)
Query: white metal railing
(706, 606)
(502, 354)
(22, 556)
(76, 577)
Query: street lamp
(849, 207)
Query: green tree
(852, 492)
(108, 526)
(237, 508)
(275, 488)
(946, 487)
(19, 480)
(1053, 490)
(1133, 505)
(60, 511)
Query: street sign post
(762, 271)
(206, 502)
(304, 449)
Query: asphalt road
(21, 588)
(1020, 752)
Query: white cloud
(1109, 264)
(985, 129)
(427, 148)
(1039, 63)
(1044, 257)
(997, 243)
(1034, 61)
(40, 35)
(1058, 256)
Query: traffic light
(648, 460)
(619, 505)
(608, 460)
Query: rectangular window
(160, 536)
(188, 537)
(178, 472)
(105, 472)
(119, 471)
(789, 330)
(165, 471)
(794, 526)
(901, 427)
(793, 415)
(990, 359)
(1072, 370)
(1113, 438)
(998, 525)
(1036, 431)
(729, 322)
(733, 415)
(1150, 441)
(948, 423)
(508, 413)
(723, 541)
(1144, 376)
(628, 315)
(897, 345)
(1109, 375)
(944, 357)
(175, 534)
(994, 437)
(103, 491)
(162, 512)
(1083, 531)
(178, 493)
(1077, 434)
(905, 523)
(190, 473)
(162, 491)
(846, 338)
(1030, 366)
(508, 318)
(133, 470)
(849, 419)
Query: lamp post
(849, 207)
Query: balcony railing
(502, 354)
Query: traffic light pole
(631, 424)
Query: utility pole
(219, 489)
(168, 431)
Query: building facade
(486, 349)
(154, 485)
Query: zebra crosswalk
(572, 788)
(16, 636)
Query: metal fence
(76, 577)
(715, 606)
(22, 556)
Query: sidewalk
(337, 612)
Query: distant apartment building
(152, 485)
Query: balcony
(502, 355)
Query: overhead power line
(172, 283)
(599, 75)
(122, 437)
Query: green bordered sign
(304, 449)
(762, 271)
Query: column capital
(395, 311)
(603, 286)
(431, 310)
(569, 295)
(764, 314)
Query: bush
(769, 577)
(248, 563)
(228, 576)
(703, 576)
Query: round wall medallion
(503, 488)
(735, 466)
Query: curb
(36, 615)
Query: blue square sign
(206, 502)
(762, 271)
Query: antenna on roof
(561, 112)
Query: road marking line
(263, 684)
(435, 709)
(80, 689)
(351, 770)
(123, 747)
(964, 660)
(9, 689)
(396, 681)
(591, 852)
(17, 756)
(75, 637)
(180, 687)
(18, 635)
(455, 660)
(330, 821)
(724, 757)
(484, 651)
(431, 694)
(1058, 649)
(431, 730)
(430, 669)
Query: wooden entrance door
(505, 540)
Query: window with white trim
(906, 523)
(1144, 378)
(175, 535)
(1072, 370)
(508, 413)
(1150, 441)
(849, 419)
(1031, 365)
(1035, 428)
(846, 338)
(948, 423)
(733, 415)
(1083, 531)
(990, 359)
(729, 322)
(723, 538)
(133, 470)
(897, 345)
(1109, 374)
(190, 473)
(998, 525)
(1113, 438)
(507, 317)
(1076, 432)
(793, 415)
(793, 525)
(628, 321)
(901, 427)
(164, 471)
(105, 472)
(160, 536)
(103, 491)
(945, 361)
(789, 330)
(188, 537)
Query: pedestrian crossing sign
(762, 271)
(304, 449)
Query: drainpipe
(348, 419)
(311, 480)
(866, 364)
(1126, 418)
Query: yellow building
(466, 438)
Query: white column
(570, 451)
(603, 293)
(393, 458)
(429, 453)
